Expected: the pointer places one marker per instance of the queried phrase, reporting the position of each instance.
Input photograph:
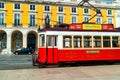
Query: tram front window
(97, 41)
(51, 40)
(42, 40)
(106, 41)
(87, 41)
(77, 41)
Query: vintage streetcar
(78, 42)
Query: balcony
(17, 25)
(2, 24)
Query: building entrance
(31, 41)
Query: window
(42, 40)
(86, 19)
(109, 20)
(77, 41)
(17, 6)
(86, 10)
(3, 44)
(32, 7)
(109, 12)
(47, 8)
(87, 41)
(18, 42)
(98, 20)
(97, 41)
(114, 41)
(106, 41)
(73, 19)
(47, 19)
(16, 19)
(73, 10)
(4, 36)
(60, 19)
(60, 9)
(1, 18)
(1, 5)
(32, 20)
(18, 36)
(51, 40)
(3, 41)
(67, 41)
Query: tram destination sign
(92, 27)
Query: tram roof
(67, 27)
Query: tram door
(51, 49)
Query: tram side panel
(56, 56)
(89, 55)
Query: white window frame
(14, 17)
(49, 8)
(4, 5)
(72, 17)
(111, 19)
(72, 8)
(86, 17)
(108, 12)
(3, 16)
(30, 7)
(35, 18)
(45, 14)
(59, 16)
(88, 10)
(100, 20)
(60, 11)
(14, 6)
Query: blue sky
(106, 0)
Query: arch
(17, 40)
(32, 39)
(3, 40)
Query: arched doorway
(3, 40)
(32, 40)
(17, 40)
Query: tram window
(114, 41)
(49, 41)
(77, 41)
(42, 40)
(97, 41)
(87, 41)
(67, 41)
(106, 41)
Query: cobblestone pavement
(8, 62)
(19, 67)
(102, 72)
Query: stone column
(9, 44)
(25, 40)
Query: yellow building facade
(20, 20)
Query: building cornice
(42, 2)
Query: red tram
(78, 42)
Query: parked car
(24, 51)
